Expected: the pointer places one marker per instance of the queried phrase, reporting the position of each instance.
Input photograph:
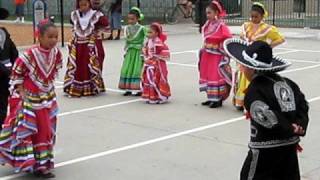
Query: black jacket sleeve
(302, 106)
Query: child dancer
(132, 66)
(252, 31)
(155, 87)
(8, 54)
(215, 71)
(86, 54)
(28, 135)
(277, 109)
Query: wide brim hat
(257, 55)
(3, 13)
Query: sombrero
(257, 56)
(3, 13)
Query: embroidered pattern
(274, 143)
(285, 96)
(254, 163)
(261, 114)
(254, 131)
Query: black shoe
(127, 93)
(117, 38)
(138, 94)
(43, 175)
(216, 104)
(110, 37)
(206, 103)
(240, 108)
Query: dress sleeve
(162, 51)
(19, 72)
(226, 33)
(59, 60)
(103, 21)
(264, 112)
(274, 35)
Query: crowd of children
(29, 127)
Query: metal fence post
(274, 13)
(62, 22)
(318, 25)
(138, 3)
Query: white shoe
(22, 20)
(17, 20)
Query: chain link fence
(286, 13)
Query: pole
(62, 23)
(274, 13)
(138, 3)
(318, 14)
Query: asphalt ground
(123, 138)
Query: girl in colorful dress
(86, 54)
(28, 135)
(252, 31)
(133, 63)
(215, 71)
(155, 87)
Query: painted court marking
(144, 143)
(278, 53)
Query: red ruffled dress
(28, 135)
(215, 72)
(155, 86)
(86, 55)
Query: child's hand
(144, 50)
(21, 91)
(298, 129)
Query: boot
(111, 36)
(206, 103)
(216, 104)
(118, 35)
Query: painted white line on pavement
(286, 52)
(183, 52)
(279, 53)
(303, 61)
(144, 143)
(181, 64)
(314, 99)
(99, 107)
(280, 48)
(302, 50)
(299, 69)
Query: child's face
(50, 38)
(152, 33)
(84, 5)
(256, 17)
(211, 14)
(132, 19)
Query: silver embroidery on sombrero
(261, 114)
(285, 96)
